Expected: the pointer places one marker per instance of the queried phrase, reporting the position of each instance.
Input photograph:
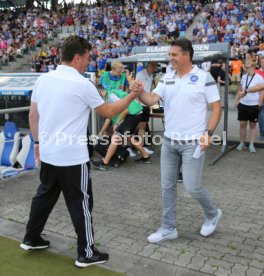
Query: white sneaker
(241, 146)
(148, 151)
(131, 152)
(209, 225)
(163, 234)
(251, 148)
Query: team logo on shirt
(194, 78)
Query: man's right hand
(137, 87)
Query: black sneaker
(100, 165)
(180, 178)
(97, 258)
(143, 160)
(38, 243)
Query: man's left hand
(205, 141)
(36, 153)
(137, 87)
(241, 93)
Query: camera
(160, 68)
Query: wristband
(209, 132)
(36, 142)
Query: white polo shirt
(64, 99)
(250, 98)
(185, 102)
(146, 78)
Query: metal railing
(14, 110)
(93, 125)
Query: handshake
(137, 87)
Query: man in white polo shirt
(186, 92)
(59, 113)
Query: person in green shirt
(124, 125)
(116, 78)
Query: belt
(180, 142)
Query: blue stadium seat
(25, 159)
(9, 144)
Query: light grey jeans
(173, 155)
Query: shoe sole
(221, 214)
(143, 162)
(28, 247)
(164, 239)
(100, 168)
(82, 265)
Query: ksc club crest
(194, 78)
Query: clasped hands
(137, 87)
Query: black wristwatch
(36, 142)
(209, 132)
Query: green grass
(17, 262)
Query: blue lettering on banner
(194, 78)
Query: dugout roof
(202, 52)
(17, 84)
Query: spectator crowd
(115, 27)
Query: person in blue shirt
(227, 37)
(101, 62)
(92, 67)
(183, 27)
(212, 38)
